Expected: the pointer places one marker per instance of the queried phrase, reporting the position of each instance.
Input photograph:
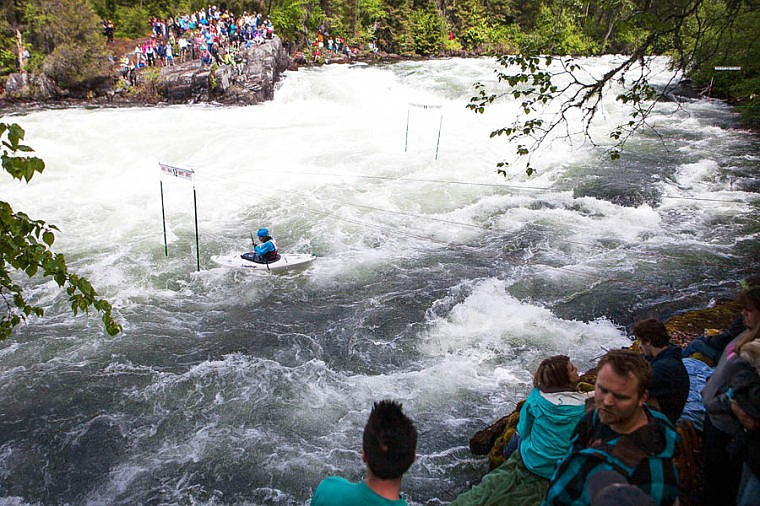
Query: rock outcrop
(36, 87)
(251, 80)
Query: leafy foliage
(290, 18)
(25, 247)
(131, 21)
(427, 32)
(7, 61)
(696, 33)
(62, 37)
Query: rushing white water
(438, 282)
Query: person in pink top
(722, 467)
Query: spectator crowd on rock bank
(210, 35)
(214, 35)
(629, 442)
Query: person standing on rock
(182, 48)
(389, 446)
(161, 54)
(150, 52)
(169, 54)
(722, 465)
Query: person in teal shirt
(549, 415)
(388, 449)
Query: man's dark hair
(624, 362)
(651, 331)
(389, 440)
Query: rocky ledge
(251, 80)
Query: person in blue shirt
(389, 445)
(266, 251)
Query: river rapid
(438, 282)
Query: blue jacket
(694, 409)
(266, 250)
(644, 457)
(547, 421)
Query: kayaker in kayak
(266, 251)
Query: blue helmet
(263, 232)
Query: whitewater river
(438, 282)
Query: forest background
(65, 40)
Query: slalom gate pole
(186, 174)
(163, 217)
(438, 142)
(406, 136)
(197, 247)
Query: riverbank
(251, 78)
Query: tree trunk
(610, 26)
(20, 51)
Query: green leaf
(15, 134)
(48, 237)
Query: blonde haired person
(723, 467)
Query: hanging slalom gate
(720, 68)
(440, 124)
(186, 174)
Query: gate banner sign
(176, 171)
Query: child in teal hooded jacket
(547, 420)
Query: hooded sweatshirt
(715, 394)
(547, 421)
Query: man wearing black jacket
(669, 386)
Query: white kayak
(286, 261)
